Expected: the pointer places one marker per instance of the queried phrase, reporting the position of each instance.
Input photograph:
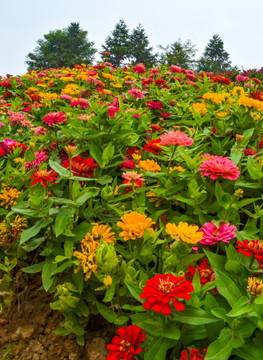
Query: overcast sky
(238, 22)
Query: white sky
(238, 22)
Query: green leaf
(63, 172)
(227, 287)
(216, 261)
(135, 308)
(47, 271)
(62, 331)
(221, 348)
(172, 331)
(95, 152)
(32, 269)
(135, 291)
(158, 348)
(86, 194)
(194, 316)
(107, 313)
(121, 320)
(34, 230)
(151, 323)
(105, 179)
(62, 220)
(249, 352)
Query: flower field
(137, 195)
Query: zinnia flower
(127, 344)
(212, 235)
(255, 287)
(216, 166)
(192, 354)
(149, 165)
(132, 176)
(8, 196)
(134, 225)
(160, 289)
(42, 176)
(175, 138)
(89, 247)
(206, 274)
(152, 146)
(80, 166)
(54, 118)
(154, 105)
(249, 248)
(184, 232)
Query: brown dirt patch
(26, 328)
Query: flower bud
(108, 281)
(255, 287)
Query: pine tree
(118, 45)
(179, 53)
(215, 58)
(65, 47)
(140, 50)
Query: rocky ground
(26, 329)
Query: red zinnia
(80, 166)
(206, 274)
(42, 176)
(249, 248)
(126, 345)
(160, 289)
(152, 146)
(192, 354)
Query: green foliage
(65, 47)
(118, 45)
(215, 58)
(179, 53)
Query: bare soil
(26, 328)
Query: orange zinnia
(134, 225)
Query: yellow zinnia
(89, 247)
(8, 196)
(134, 225)
(184, 232)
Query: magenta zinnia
(212, 234)
(54, 118)
(216, 166)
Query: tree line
(71, 46)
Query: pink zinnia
(212, 235)
(174, 69)
(132, 176)
(216, 166)
(139, 68)
(54, 118)
(175, 138)
(137, 93)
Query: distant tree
(65, 47)
(140, 50)
(118, 45)
(215, 58)
(179, 53)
